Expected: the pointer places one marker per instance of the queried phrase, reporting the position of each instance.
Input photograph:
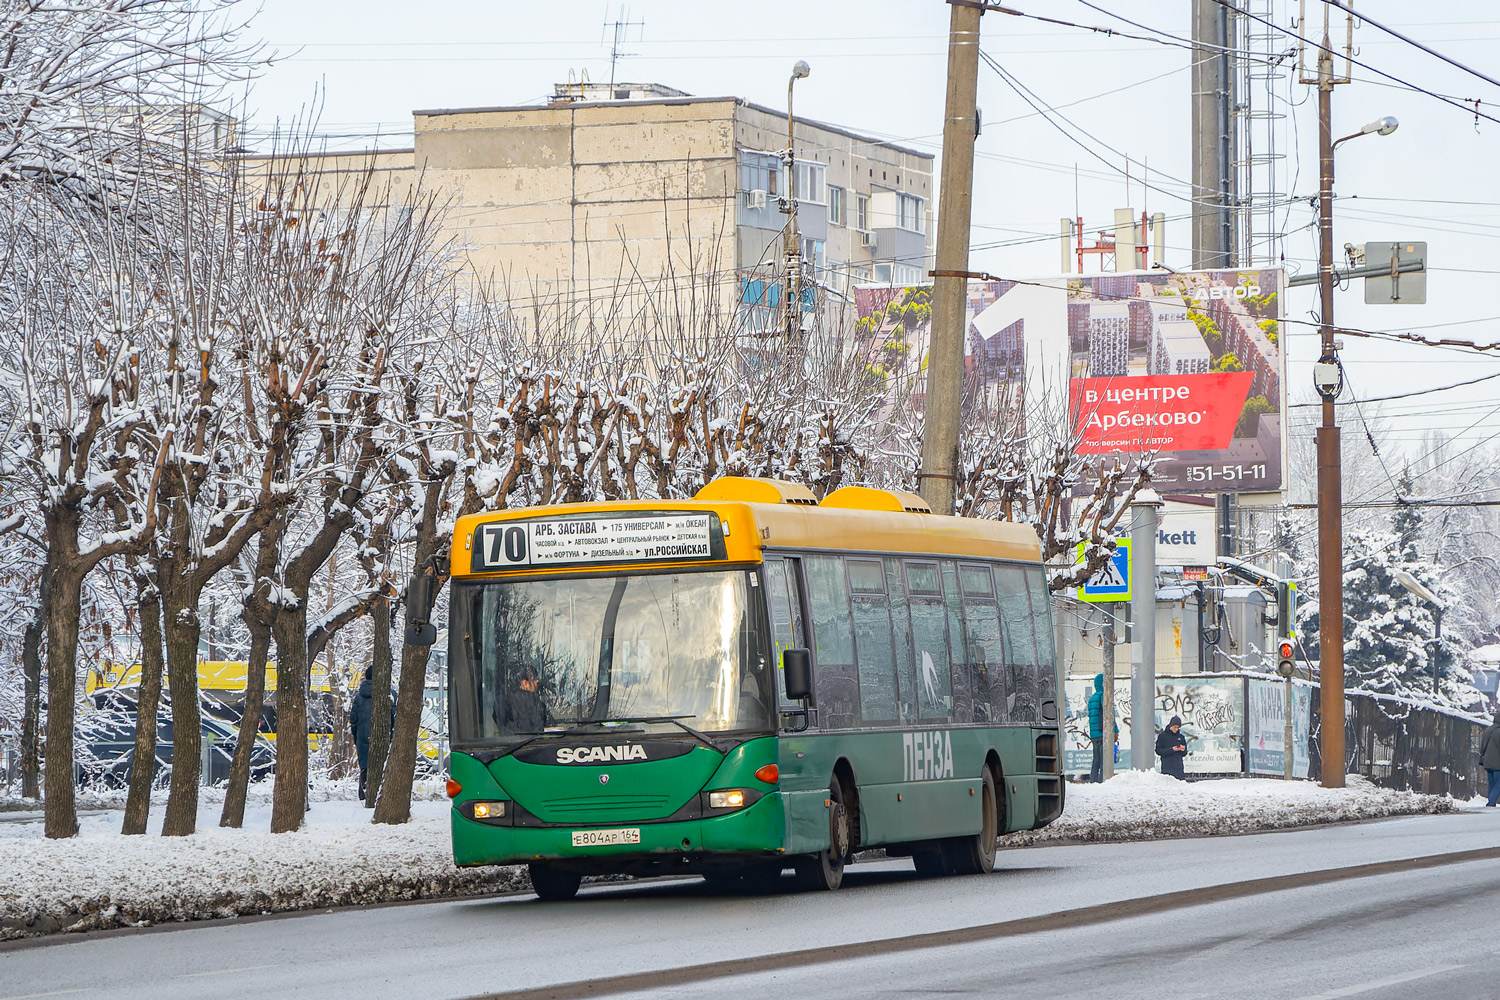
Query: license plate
(604, 838)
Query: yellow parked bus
(746, 682)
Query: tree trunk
(395, 790)
(143, 765)
(31, 708)
(62, 649)
(179, 606)
(255, 701)
(380, 705)
(289, 802)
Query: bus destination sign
(596, 540)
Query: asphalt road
(1286, 915)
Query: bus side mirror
(796, 672)
(1049, 711)
(419, 628)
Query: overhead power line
(1364, 65)
(1408, 395)
(1366, 18)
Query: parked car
(106, 749)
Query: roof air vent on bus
(865, 498)
(747, 490)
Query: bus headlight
(486, 810)
(732, 798)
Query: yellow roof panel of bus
(757, 526)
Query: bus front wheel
(825, 870)
(551, 883)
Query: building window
(759, 173)
(862, 212)
(810, 182)
(835, 205)
(911, 213)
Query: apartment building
(610, 184)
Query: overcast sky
(878, 66)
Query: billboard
(1182, 367)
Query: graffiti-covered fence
(1236, 725)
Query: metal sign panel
(1401, 286)
(585, 541)
(1112, 581)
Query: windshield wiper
(675, 720)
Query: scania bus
(747, 682)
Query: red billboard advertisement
(1183, 369)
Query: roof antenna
(621, 27)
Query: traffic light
(1284, 651)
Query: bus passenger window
(833, 637)
(872, 639)
(906, 675)
(986, 651)
(1024, 665)
(963, 690)
(929, 633)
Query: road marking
(54, 993)
(1405, 977)
(218, 972)
(1102, 913)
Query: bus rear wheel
(552, 883)
(825, 870)
(976, 855)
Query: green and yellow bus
(747, 682)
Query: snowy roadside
(1148, 805)
(103, 880)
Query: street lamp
(791, 243)
(1328, 379)
(1421, 593)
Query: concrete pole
(1143, 617)
(945, 360)
(1330, 473)
(1210, 125)
(1107, 703)
(1287, 732)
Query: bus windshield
(537, 655)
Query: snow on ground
(101, 879)
(1149, 805)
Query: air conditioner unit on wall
(868, 240)
(755, 198)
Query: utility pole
(1107, 700)
(1143, 511)
(1213, 175)
(791, 240)
(945, 360)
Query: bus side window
(1041, 621)
(786, 618)
(833, 637)
(906, 675)
(1021, 655)
(986, 651)
(963, 689)
(872, 641)
(929, 633)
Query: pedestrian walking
(360, 713)
(1489, 758)
(1171, 747)
(1096, 728)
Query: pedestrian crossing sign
(1112, 581)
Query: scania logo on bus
(594, 755)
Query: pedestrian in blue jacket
(1096, 728)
